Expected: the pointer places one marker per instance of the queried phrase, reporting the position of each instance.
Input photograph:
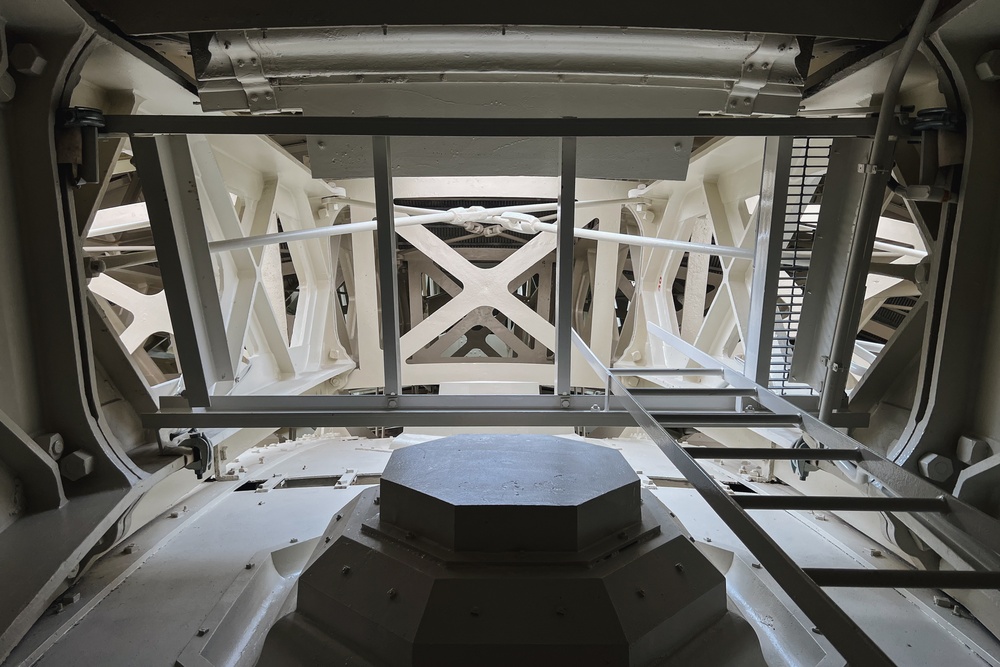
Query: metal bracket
(249, 71)
(200, 446)
(84, 123)
(871, 169)
(756, 72)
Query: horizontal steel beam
(774, 453)
(856, 578)
(216, 417)
(734, 419)
(213, 418)
(683, 401)
(639, 372)
(841, 503)
(702, 126)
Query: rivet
(623, 535)
(392, 593)
(641, 593)
(474, 611)
(756, 566)
(239, 63)
(339, 517)
(249, 566)
(560, 611)
(679, 567)
(346, 570)
(327, 540)
(765, 65)
(750, 67)
(253, 98)
(202, 632)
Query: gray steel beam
(771, 213)
(564, 265)
(882, 20)
(699, 126)
(774, 453)
(175, 218)
(450, 416)
(853, 644)
(841, 503)
(685, 401)
(388, 280)
(828, 264)
(858, 578)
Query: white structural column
(606, 275)
(696, 283)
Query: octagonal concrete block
(510, 493)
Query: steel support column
(564, 265)
(388, 282)
(168, 182)
(767, 258)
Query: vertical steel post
(175, 218)
(564, 265)
(388, 282)
(767, 258)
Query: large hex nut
(936, 468)
(52, 443)
(972, 450)
(988, 67)
(27, 60)
(76, 465)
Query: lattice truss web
(477, 301)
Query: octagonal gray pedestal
(503, 550)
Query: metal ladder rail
(968, 532)
(848, 639)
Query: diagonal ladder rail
(844, 634)
(966, 532)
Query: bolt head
(52, 443)
(936, 468)
(988, 67)
(76, 465)
(27, 60)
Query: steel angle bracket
(757, 71)
(249, 70)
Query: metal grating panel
(809, 163)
